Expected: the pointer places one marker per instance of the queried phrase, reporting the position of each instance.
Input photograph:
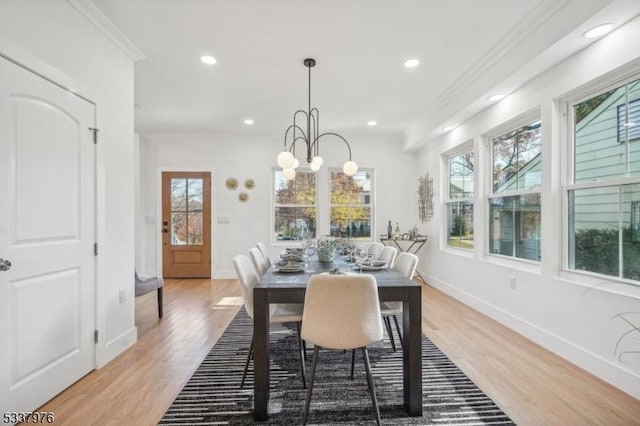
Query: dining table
(288, 287)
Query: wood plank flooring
(532, 385)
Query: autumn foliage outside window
(351, 204)
(295, 206)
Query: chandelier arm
(286, 133)
(306, 116)
(315, 113)
(315, 142)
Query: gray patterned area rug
(213, 395)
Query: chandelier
(306, 128)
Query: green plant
(598, 250)
(459, 226)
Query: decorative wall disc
(231, 183)
(243, 197)
(249, 184)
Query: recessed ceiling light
(411, 63)
(448, 128)
(209, 60)
(248, 121)
(372, 123)
(598, 31)
(496, 97)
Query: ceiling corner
(94, 15)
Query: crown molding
(94, 15)
(415, 133)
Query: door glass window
(186, 212)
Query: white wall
(562, 311)
(253, 157)
(53, 38)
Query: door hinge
(95, 249)
(95, 336)
(95, 135)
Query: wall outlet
(512, 282)
(122, 296)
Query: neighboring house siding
(599, 155)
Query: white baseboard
(593, 363)
(224, 275)
(114, 347)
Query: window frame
(275, 205)
(448, 200)
(490, 194)
(597, 87)
(371, 204)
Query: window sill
(513, 263)
(591, 281)
(468, 253)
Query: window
(514, 206)
(604, 196)
(186, 211)
(295, 206)
(459, 206)
(629, 129)
(351, 204)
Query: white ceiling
(466, 49)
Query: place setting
(292, 260)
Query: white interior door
(47, 305)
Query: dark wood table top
(384, 277)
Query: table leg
(261, 354)
(412, 351)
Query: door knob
(5, 265)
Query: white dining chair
(406, 265)
(374, 249)
(259, 262)
(332, 321)
(388, 255)
(278, 313)
(265, 253)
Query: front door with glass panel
(186, 224)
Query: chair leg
(353, 361)
(316, 349)
(387, 324)
(395, 319)
(160, 302)
(246, 364)
(365, 353)
(301, 351)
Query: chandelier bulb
(295, 164)
(350, 168)
(289, 173)
(285, 159)
(317, 160)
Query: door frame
(157, 225)
(23, 58)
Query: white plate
(369, 268)
(374, 263)
(297, 269)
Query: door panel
(186, 224)
(36, 156)
(47, 232)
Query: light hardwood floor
(533, 386)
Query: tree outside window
(459, 206)
(351, 204)
(295, 206)
(514, 206)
